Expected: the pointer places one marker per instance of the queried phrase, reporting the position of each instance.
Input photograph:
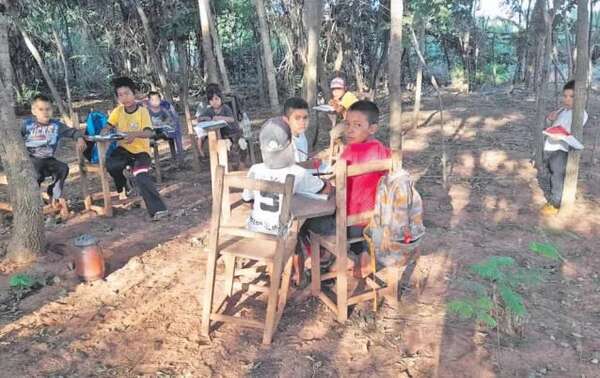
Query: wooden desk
(85, 167)
(304, 208)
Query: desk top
(105, 138)
(305, 208)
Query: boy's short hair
(569, 85)
(367, 108)
(213, 90)
(154, 93)
(124, 82)
(294, 103)
(40, 97)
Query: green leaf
(545, 249)
(490, 268)
(513, 302)
(461, 307)
(484, 303)
(488, 320)
(21, 281)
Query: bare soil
(144, 318)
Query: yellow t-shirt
(136, 121)
(348, 99)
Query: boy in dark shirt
(42, 135)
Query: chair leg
(270, 322)
(209, 292)
(342, 287)
(85, 191)
(285, 288)
(172, 149)
(157, 163)
(392, 282)
(229, 274)
(315, 264)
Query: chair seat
(328, 242)
(255, 249)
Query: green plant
(495, 290)
(22, 284)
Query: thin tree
(151, 50)
(219, 54)
(420, 25)
(207, 48)
(312, 21)
(63, 60)
(581, 81)
(28, 239)
(395, 79)
(265, 40)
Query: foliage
(495, 290)
(21, 281)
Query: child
(134, 121)
(556, 152)
(42, 135)
(295, 114)
(218, 111)
(163, 114)
(362, 147)
(278, 161)
(341, 99)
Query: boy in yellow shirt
(133, 120)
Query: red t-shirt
(361, 189)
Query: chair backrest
(342, 172)
(225, 182)
(235, 104)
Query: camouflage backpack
(397, 220)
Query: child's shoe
(548, 210)
(160, 215)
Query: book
(324, 108)
(315, 196)
(211, 124)
(560, 133)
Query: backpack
(94, 124)
(397, 220)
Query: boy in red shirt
(361, 147)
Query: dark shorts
(326, 226)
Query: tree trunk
(38, 58)
(185, 85)
(158, 68)
(569, 50)
(419, 82)
(395, 75)
(28, 238)
(63, 59)
(209, 56)
(219, 54)
(312, 19)
(267, 60)
(581, 81)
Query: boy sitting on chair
(362, 147)
(341, 101)
(295, 114)
(134, 151)
(42, 135)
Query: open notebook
(324, 108)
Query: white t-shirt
(300, 147)
(564, 119)
(266, 208)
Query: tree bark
(219, 54)
(38, 58)
(395, 76)
(156, 61)
(209, 56)
(28, 238)
(581, 81)
(419, 82)
(267, 60)
(312, 19)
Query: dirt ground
(144, 318)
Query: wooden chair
(339, 243)
(230, 239)
(63, 208)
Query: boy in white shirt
(279, 160)
(295, 114)
(556, 152)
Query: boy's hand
(552, 116)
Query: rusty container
(89, 260)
